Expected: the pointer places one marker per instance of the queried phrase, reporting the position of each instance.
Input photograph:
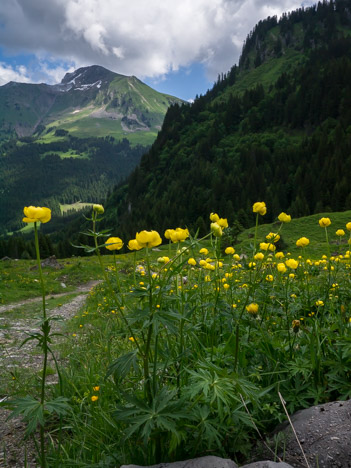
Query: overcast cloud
(146, 38)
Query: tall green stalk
(46, 329)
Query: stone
(202, 462)
(267, 464)
(324, 432)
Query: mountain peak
(88, 75)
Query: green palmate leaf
(30, 409)
(161, 414)
(122, 365)
(58, 406)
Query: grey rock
(202, 462)
(267, 464)
(324, 432)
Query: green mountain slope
(89, 101)
(72, 142)
(275, 128)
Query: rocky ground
(14, 452)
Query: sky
(178, 47)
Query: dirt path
(13, 451)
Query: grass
(19, 278)
(77, 206)
(306, 226)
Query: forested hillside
(277, 128)
(35, 174)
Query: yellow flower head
(340, 232)
(34, 214)
(324, 222)
(216, 229)
(133, 244)
(99, 209)
(252, 308)
(291, 263)
(229, 250)
(203, 251)
(269, 278)
(94, 398)
(115, 243)
(214, 217)
(192, 261)
(284, 218)
(273, 237)
(148, 238)
(319, 303)
(279, 255)
(266, 246)
(260, 208)
(259, 256)
(178, 235)
(281, 268)
(223, 222)
(348, 226)
(302, 242)
(96, 389)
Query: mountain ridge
(72, 104)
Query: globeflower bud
(99, 209)
(216, 230)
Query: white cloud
(8, 73)
(135, 37)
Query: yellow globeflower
(229, 250)
(192, 261)
(302, 242)
(133, 244)
(319, 303)
(148, 238)
(223, 222)
(284, 218)
(348, 226)
(252, 308)
(214, 217)
(291, 263)
(273, 237)
(94, 398)
(281, 268)
(34, 214)
(340, 232)
(179, 234)
(269, 278)
(260, 208)
(168, 233)
(259, 256)
(324, 222)
(216, 230)
(266, 246)
(115, 243)
(279, 255)
(203, 251)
